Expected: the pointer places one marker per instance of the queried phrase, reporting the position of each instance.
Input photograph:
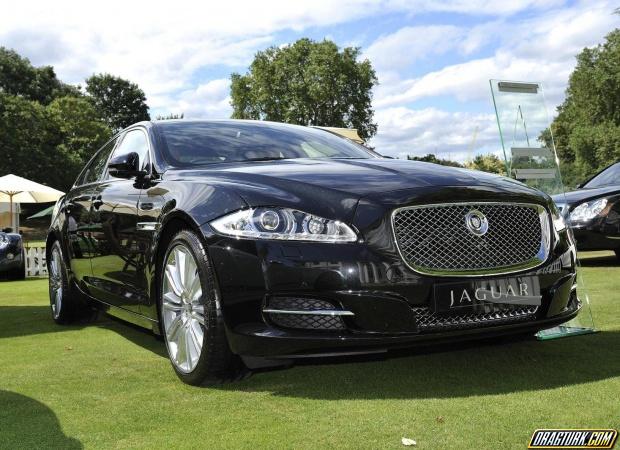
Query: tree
(487, 163)
(28, 140)
(307, 83)
(119, 102)
(81, 131)
(586, 130)
(19, 77)
(433, 159)
(48, 144)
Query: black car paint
(106, 253)
(13, 245)
(599, 233)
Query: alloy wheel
(182, 308)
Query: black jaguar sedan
(250, 244)
(593, 211)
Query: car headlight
(283, 223)
(588, 210)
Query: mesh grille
(487, 314)
(436, 237)
(304, 321)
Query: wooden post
(11, 210)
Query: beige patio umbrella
(14, 189)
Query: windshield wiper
(347, 157)
(266, 158)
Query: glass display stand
(530, 157)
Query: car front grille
(435, 239)
(487, 315)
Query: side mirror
(125, 166)
(580, 185)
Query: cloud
(541, 49)
(386, 53)
(475, 7)
(161, 46)
(407, 131)
(181, 53)
(209, 100)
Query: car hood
(333, 188)
(360, 177)
(582, 195)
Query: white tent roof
(26, 191)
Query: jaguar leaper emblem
(476, 222)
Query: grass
(108, 385)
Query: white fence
(35, 262)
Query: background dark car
(593, 211)
(12, 258)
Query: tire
(190, 315)
(65, 302)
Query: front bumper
(385, 297)
(595, 236)
(9, 265)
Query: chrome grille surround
(433, 239)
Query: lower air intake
(493, 314)
(301, 319)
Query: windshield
(193, 143)
(608, 177)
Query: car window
(608, 177)
(188, 143)
(95, 168)
(134, 141)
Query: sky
(433, 59)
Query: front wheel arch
(217, 362)
(177, 222)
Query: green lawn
(108, 385)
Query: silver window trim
(543, 253)
(119, 141)
(118, 137)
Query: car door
(77, 210)
(118, 260)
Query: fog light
(10, 256)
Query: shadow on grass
(33, 320)
(602, 260)
(487, 367)
(27, 423)
(25, 280)
(448, 372)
